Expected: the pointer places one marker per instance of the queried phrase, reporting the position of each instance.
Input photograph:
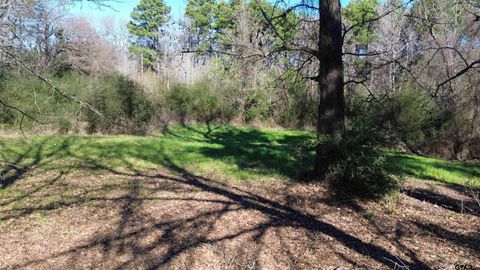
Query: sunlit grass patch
(429, 168)
(233, 153)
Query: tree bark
(331, 110)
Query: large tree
(305, 34)
(331, 110)
(319, 43)
(147, 20)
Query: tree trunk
(331, 110)
(243, 63)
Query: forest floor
(221, 200)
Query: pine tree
(147, 20)
(201, 13)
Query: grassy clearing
(224, 152)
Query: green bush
(179, 101)
(135, 105)
(126, 107)
(359, 167)
(124, 104)
(298, 107)
(415, 116)
(64, 126)
(33, 97)
(301, 112)
(363, 168)
(409, 117)
(203, 102)
(258, 107)
(102, 100)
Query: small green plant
(42, 217)
(391, 202)
(371, 215)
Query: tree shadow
(468, 206)
(467, 241)
(35, 156)
(175, 237)
(256, 151)
(182, 235)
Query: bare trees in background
(86, 50)
(33, 41)
(423, 48)
(38, 33)
(31, 25)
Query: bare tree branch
(66, 95)
(458, 74)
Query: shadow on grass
(179, 235)
(424, 168)
(288, 155)
(14, 165)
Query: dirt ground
(164, 220)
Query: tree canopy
(145, 26)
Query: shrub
(33, 97)
(299, 106)
(179, 101)
(359, 166)
(103, 102)
(409, 117)
(203, 102)
(123, 103)
(7, 116)
(64, 126)
(212, 104)
(256, 107)
(135, 106)
(416, 117)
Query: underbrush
(127, 107)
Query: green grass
(428, 168)
(226, 152)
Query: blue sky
(122, 8)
